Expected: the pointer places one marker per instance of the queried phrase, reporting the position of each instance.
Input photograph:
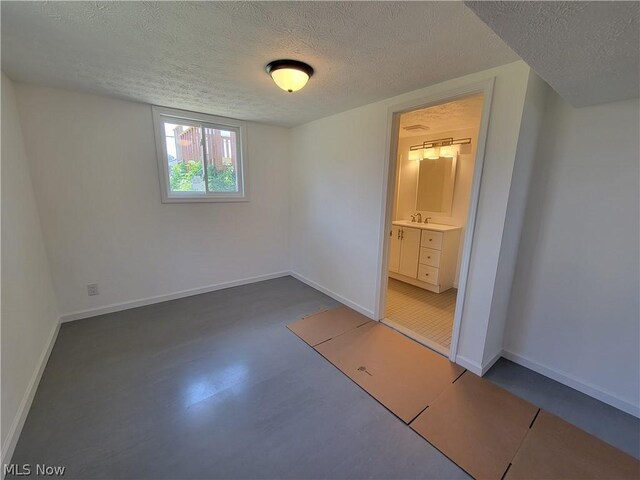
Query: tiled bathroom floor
(426, 313)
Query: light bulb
(449, 151)
(432, 153)
(415, 155)
(290, 79)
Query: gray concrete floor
(215, 386)
(593, 416)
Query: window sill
(203, 199)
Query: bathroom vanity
(424, 254)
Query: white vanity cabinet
(424, 255)
(404, 251)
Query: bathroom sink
(425, 226)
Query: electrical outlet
(92, 289)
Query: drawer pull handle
(428, 257)
(430, 239)
(427, 274)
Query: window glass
(222, 160)
(200, 157)
(184, 158)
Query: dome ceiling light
(289, 75)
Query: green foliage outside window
(182, 176)
(223, 180)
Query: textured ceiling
(589, 52)
(458, 115)
(210, 56)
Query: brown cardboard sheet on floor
(555, 449)
(398, 372)
(477, 424)
(322, 326)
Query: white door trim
(484, 87)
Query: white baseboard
(358, 308)
(486, 366)
(473, 367)
(574, 383)
(118, 307)
(23, 409)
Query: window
(200, 157)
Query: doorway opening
(435, 164)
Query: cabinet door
(394, 249)
(409, 252)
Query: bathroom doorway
(434, 171)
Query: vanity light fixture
(434, 149)
(449, 151)
(416, 155)
(432, 153)
(289, 75)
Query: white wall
(337, 193)
(29, 311)
(93, 161)
(574, 312)
(528, 140)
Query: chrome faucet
(426, 220)
(418, 215)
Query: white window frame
(163, 114)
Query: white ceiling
(461, 114)
(589, 52)
(210, 56)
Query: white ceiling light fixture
(289, 75)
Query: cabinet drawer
(431, 239)
(429, 256)
(428, 274)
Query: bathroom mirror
(436, 181)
